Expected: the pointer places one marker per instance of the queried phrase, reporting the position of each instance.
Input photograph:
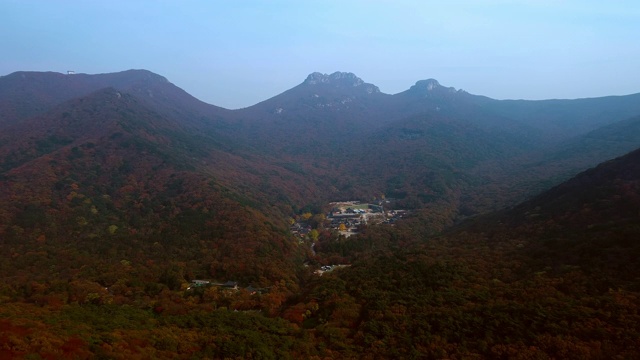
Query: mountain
(113, 179)
(428, 96)
(25, 94)
(325, 130)
(589, 221)
(332, 124)
(333, 93)
(334, 107)
(316, 116)
(119, 191)
(431, 142)
(428, 161)
(598, 145)
(561, 119)
(539, 170)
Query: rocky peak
(340, 79)
(431, 85)
(427, 85)
(316, 78)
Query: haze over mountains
(331, 137)
(126, 182)
(342, 118)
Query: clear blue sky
(237, 53)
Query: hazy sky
(236, 53)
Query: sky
(237, 53)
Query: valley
(475, 228)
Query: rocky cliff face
(340, 79)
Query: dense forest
(139, 222)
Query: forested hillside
(555, 277)
(139, 222)
(104, 175)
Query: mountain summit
(25, 94)
(339, 79)
(431, 85)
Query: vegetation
(113, 203)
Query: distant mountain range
(343, 138)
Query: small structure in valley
(200, 282)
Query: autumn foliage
(113, 202)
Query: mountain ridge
(311, 78)
(327, 122)
(25, 94)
